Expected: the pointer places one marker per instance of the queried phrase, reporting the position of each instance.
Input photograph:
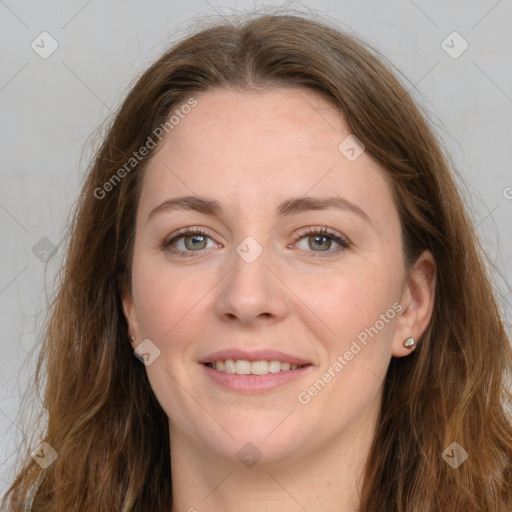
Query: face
(267, 275)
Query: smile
(245, 367)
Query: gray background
(52, 107)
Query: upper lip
(257, 355)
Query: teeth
(244, 367)
(274, 366)
(259, 367)
(229, 366)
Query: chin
(265, 437)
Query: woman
(271, 228)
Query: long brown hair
(104, 422)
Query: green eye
(322, 242)
(321, 239)
(194, 240)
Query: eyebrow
(290, 206)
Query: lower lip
(254, 384)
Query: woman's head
(266, 118)
(262, 276)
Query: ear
(130, 314)
(417, 303)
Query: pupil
(195, 242)
(324, 238)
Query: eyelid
(314, 230)
(190, 230)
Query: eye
(192, 240)
(320, 240)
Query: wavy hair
(109, 431)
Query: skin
(250, 151)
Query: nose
(252, 292)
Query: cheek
(352, 299)
(167, 301)
(360, 309)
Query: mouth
(246, 367)
(254, 372)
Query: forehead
(227, 121)
(256, 149)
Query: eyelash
(310, 231)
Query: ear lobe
(130, 315)
(418, 300)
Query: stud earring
(133, 338)
(409, 342)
